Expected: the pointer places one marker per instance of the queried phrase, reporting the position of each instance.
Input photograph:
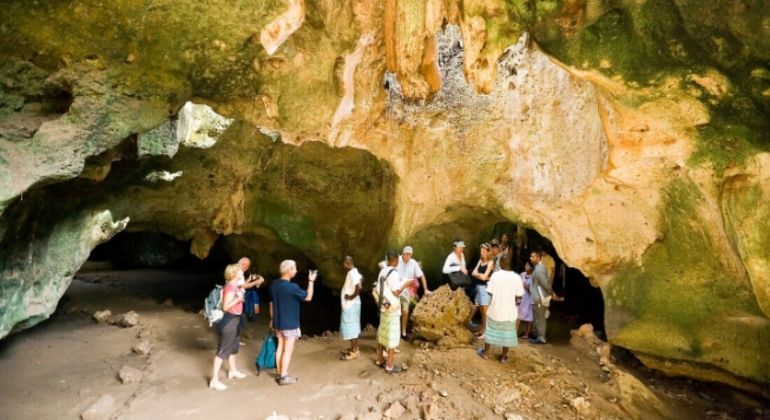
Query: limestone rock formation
(345, 127)
(443, 317)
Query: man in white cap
(411, 274)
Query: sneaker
(286, 380)
(393, 370)
(219, 386)
(235, 374)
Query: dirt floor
(61, 368)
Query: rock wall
(349, 126)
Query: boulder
(587, 342)
(443, 317)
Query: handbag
(386, 300)
(459, 279)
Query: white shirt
(392, 283)
(409, 270)
(351, 281)
(452, 264)
(504, 286)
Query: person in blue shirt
(284, 315)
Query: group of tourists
(284, 317)
(503, 299)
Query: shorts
(407, 301)
(482, 297)
(289, 334)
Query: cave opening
(582, 302)
(155, 265)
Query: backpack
(266, 357)
(212, 306)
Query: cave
(160, 267)
(135, 164)
(583, 302)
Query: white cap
(407, 250)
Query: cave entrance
(155, 265)
(150, 264)
(582, 304)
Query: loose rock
(143, 347)
(581, 406)
(395, 411)
(99, 410)
(129, 375)
(102, 316)
(128, 319)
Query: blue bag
(266, 356)
(250, 300)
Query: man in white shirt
(411, 274)
(506, 289)
(350, 318)
(388, 288)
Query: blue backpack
(212, 306)
(266, 357)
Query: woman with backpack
(229, 327)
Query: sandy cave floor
(61, 367)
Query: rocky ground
(154, 363)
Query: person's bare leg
(279, 353)
(473, 313)
(231, 363)
(404, 320)
(354, 345)
(483, 310)
(215, 371)
(391, 355)
(504, 355)
(379, 354)
(288, 349)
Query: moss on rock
(687, 303)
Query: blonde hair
(231, 272)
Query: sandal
(503, 359)
(481, 353)
(380, 364)
(350, 356)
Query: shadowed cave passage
(157, 266)
(475, 225)
(583, 303)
